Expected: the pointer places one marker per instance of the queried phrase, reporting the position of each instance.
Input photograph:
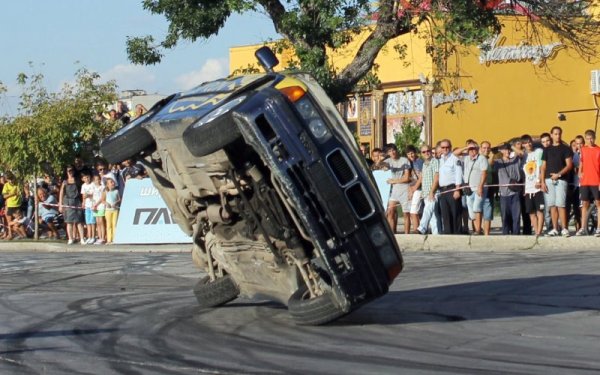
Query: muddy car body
(262, 172)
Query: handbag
(466, 189)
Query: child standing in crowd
(87, 193)
(113, 200)
(98, 206)
(12, 198)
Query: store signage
(493, 51)
(455, 96)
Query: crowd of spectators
(540, 190)
(81, 205)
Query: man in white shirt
(450, 179)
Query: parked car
(264, 175)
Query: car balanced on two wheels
(262, 172)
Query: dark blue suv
(263, 173)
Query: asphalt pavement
(447, 313)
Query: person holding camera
(509, 174)
(475, 175)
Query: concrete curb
(416, 242)
(62, 247)
(407, 242)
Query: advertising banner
(144, 217)
(381, 178)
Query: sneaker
(565, 233)
(83, 242)
(581, 232)
(597, 233)
(91, 240)
(552, 233)
(99, 242)
(70, 242)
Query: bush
(410, 135)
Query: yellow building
(505, 91)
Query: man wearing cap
(557, 163)
(534, 197)
(450, 180)
(475, 175)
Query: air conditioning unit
(595, 82)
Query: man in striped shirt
(429, 182)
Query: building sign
(365, 122)
(492, 51)
(455, 96)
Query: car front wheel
(313, 311)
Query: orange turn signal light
(293, 93)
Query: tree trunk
(36, 225)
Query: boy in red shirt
(589, 180)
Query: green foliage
(410, 134)
(249, 69)
(314, 27)
(50, 126)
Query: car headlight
(316, 124)
(306, 108)
(318, 128)
(377, 235)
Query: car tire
(313, 311)
(215, 293)
(119, 147)
(211, 137)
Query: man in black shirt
(557, 163)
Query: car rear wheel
(202, 140)
(313, 311)
(216, 293)
(126, 143)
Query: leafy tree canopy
(312, 26)
(51, 128)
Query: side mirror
(266, 58)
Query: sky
(59, 37)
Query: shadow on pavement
(66, 332)
(494, 299)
